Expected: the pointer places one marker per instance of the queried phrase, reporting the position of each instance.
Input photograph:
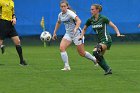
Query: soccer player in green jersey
(99, 24)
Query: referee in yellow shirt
(7, 29)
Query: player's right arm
(58, 23)
(88, 23)
(83, 32)
(55, 30)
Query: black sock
(103, 64)
(19, 51)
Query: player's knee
(99, 48)
(97, 55)
(82, 54)
(17, 42)
(62, 49)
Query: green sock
(103, 64)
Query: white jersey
(68, 19)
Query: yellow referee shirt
(6, 9)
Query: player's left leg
(83, 53)
(109, 70)
(98, 53)
(16, 41)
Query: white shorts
(74, 38)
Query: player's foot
(23, 63)
(66, 68)
(2, 49)
(109, 71)
(96, 65)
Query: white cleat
(96, 64)
(66, 69)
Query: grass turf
(43, 75)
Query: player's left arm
(13, 16)
(78, 23)
(115, 29)
(88, 23)
(77, 20)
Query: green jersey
(100, 27)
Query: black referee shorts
(7, 30)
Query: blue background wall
(124, 13)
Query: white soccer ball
(45, 36)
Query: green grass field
(43, 75)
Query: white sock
(90, 57)
(64, 57)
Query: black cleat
(23, 63)
(109, 71)
(2, 49)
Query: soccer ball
(45, 36)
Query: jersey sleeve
(106, 20)
(88, 23)
(72, 14)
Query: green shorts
(108, 44)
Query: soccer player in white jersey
(73, 32)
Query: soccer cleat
(23, 63)
(96, 65)
(66, 68)
(2, 49)
(109, 71)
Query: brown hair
(66, 2)
(98, 6)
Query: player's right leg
(2, 47)
(65, 43)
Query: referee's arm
(13, 14)
(13, 17)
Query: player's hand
(120, 35)
(54, 37)
(13, 21)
